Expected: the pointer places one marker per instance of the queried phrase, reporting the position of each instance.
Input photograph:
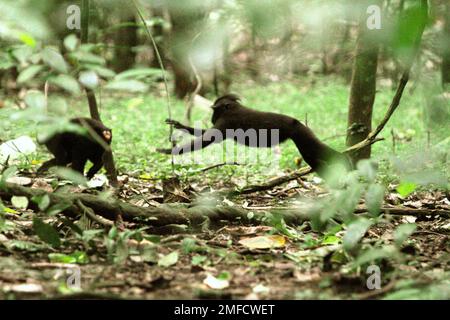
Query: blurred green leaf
(355, 231)
(43, 201)
(79, 257)
(61, 258)
(101, 71)
(35, 100)
(331, 239)
(113, 232)
(69, 174)
(89, 79)
(406, 188)
(402, 232)
(138, 74)
(8, 173)
(406, 30)
(22, 53)
(24, 245)
(46, 232)
(87, 57)
(55, 60)
(67, 83)
(374, 198)
(88, 235)
(367, 168)
(57, 208)
(198, 260)
(29, 73)
(27, 39)
(57, 105)
(375, 254)
(71, 42)
(128, 85)
(188, 245)
(224, 275)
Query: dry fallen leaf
(25, 288)
(22, 181)
(264, 242)
(42, 184)
(215, 283)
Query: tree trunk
(184, 29)
(362, 92)
(125, 40)
(446, 50)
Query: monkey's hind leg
(78, 164)
(98, 164)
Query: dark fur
(75, 149)
(230, 114)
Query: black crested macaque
(76, 149)
(232, 120)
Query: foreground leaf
(355, 232)
(29, 73)
(19, 202)
(403, 231)
(55, 60)
(406, 188)
(76, 257)
(46, 232)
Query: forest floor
(262, 260)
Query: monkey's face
(107, 135)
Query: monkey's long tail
(315, 153)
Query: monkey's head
(107, 135)
(224, 102)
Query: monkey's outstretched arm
(191, 130)
(210, 136)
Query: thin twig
(276, 181)
(219, 165)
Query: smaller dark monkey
(76, 149)
(231, 120)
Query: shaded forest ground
(196, 264)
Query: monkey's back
(68, 143)
(245, 118)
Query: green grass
(138, 125)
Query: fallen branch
(162, 216)
(109, 208)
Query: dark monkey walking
(230, 116)
(76, 149)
